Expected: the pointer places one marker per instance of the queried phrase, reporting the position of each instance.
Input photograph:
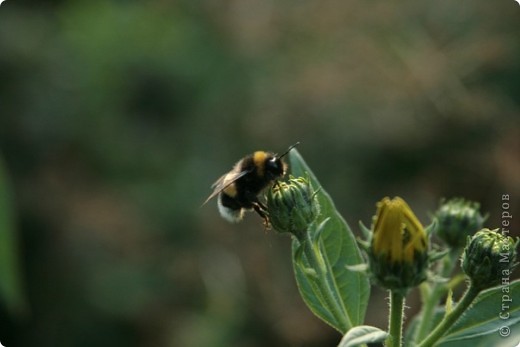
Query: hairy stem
(451, 317)
(395, 327)
(432, 300)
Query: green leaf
(480, 326)
(10, 282)
(492, 310)
(494, 339)
(361, 335)
(338, 248)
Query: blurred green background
(117, 116)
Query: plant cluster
(334, 270)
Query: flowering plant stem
(396, 318)
(430, 299)
(312, 252)
(451, 317)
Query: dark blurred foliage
(116, 117)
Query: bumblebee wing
(224, 181)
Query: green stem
(396, 319)
(331, 298)
(438, 290)
(451, 317)
(427, 311)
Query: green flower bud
(489, 257)
(292, 206)
(457, 219)
(398, 253)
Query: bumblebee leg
(262, 212)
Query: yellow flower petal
(397, 231)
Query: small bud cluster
(456, 220)
(487, 257)
(398, 252)
(292, 206)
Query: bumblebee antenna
(287, 152)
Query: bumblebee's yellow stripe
(259, 160)
(231, 190)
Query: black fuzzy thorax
(259, 176)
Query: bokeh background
(117, 116)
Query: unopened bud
(292, 206)
(398, 251)
(457, 219)
(488, 256)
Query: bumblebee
(238, 189)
